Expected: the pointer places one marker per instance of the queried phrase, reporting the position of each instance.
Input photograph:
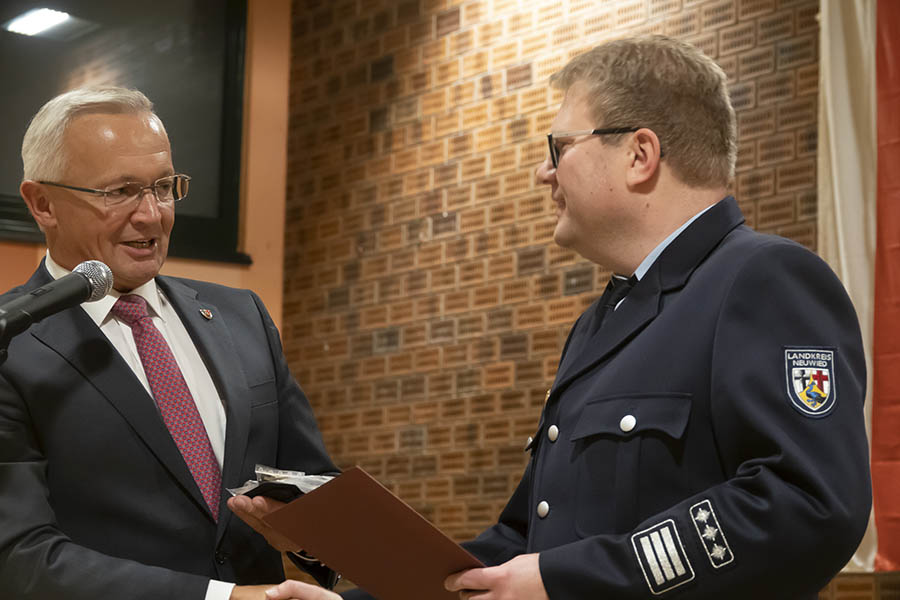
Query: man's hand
(295, 590)
(252, 510)
(249, 592)
(516, 579)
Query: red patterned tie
(176, 405)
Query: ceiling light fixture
(36, 21)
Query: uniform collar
(654, 254)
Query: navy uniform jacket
(95, 498)
(708, 441)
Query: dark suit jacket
(702, 355)
(95, 498)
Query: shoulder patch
(709, 529)
(661, 557)
(810, 376)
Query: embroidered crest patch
(662, 558)
(711, 534)
(810, 380)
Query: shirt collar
(654, 254)
(99, 311)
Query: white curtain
(847, 172)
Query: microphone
(88, 282)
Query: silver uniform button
(552, 433)
(528, 442)
(627, 423)
(543, 509)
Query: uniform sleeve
(38, 561)
(786, 393)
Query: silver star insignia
(718, 552)
(702, 515)
(709, 532)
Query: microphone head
(99, 277)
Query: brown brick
(529, 316)
(795, 52)
(472, 168)
(462, 42)
(447, 22)
(756, 123)
(776, 88)
(756, 184)
(743, 95)
(748, 9)
(471, 325)
(514, 291)
(776, 149)
(683, 25)
(808, 18)
(530, 260)
(717, 14)
(808, 80)
(775, 27)
(629, 13)
(746, 158)
(504, 54)
(489, 33)
(796, 175)
(776, 211)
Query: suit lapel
(75, 337)
(669, 273)
(216, 346)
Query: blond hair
(669, 87)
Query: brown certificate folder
(359, 528)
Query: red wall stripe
(886, 341)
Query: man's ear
(39, 204)
(645, 153)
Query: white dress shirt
(196, 375)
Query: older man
(123, 421)
(704, 436)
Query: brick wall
(425, 301)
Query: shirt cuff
(218, 590)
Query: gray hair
(43, 152)
(669, 87)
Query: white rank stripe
(673, 552)
(651, 560)
(661, 557)
(661, 554)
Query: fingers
(297, 590)
(243, 507)
(252, 510)
(469, 581)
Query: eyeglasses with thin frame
(166, 190)
(554, 151)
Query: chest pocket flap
(627, 415)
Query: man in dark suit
(704, 437)
(123, 421)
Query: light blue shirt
(654, 254)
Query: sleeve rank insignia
(662, 558)
(810, 380)
(711, 535)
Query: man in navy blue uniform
(704, 437)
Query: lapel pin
(206, 313)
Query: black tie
(616, 289)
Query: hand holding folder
(358, 527)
